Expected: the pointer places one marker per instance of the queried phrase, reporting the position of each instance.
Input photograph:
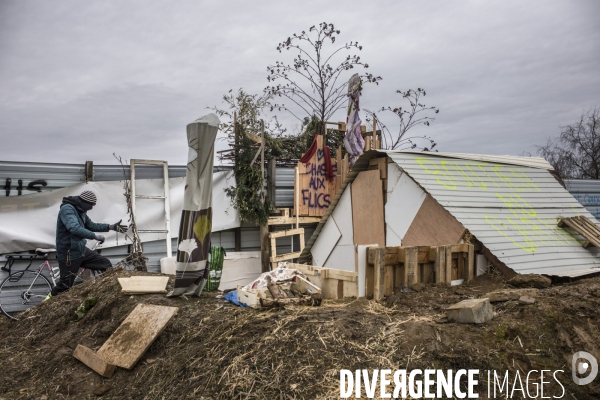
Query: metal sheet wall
(62, 175)
(587, 192)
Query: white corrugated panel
(512, 209)
(534, 162)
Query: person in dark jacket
(73, 227)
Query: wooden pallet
(334, 283)
(288, 256)
(391, 267)
(585, 228)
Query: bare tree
(575, 153)
(416, 114)
(312, 81)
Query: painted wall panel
(342, 214)
(342, 257)
(329, 237)
(404, 199)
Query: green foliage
(246, 195)
(286, 148)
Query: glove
(118, 226)
(99, 238)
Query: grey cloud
(79, 80)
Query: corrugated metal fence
(587, 192)
(22, 178)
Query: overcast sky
(80, 80)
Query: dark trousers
(91, 260)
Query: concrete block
(472, 311)
(510, 294)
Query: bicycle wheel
(22, 290)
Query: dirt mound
(211, 349)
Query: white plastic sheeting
(28, 222)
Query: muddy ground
(214, 350)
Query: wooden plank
(292, 220)
(367, 209)
(412, 266)
(144, 284)
(379, 274)
(391, 256)
(585, 228)
(304, 287)
(286, 256)
(460, 267)
(94, 361)
(133, 337)
(471, 263)
(460, 248)
(287, 232)
(331, 273)
(433, 225)
(440, 264)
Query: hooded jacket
(73, 226)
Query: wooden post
(470, 263)
(411, 266)
(448, 265)
(262, 158)
(375, 144)
(89, 171)
(297, 196)
(264, 228)
(271, 179)
(379, 281)
(264, 248)
(440, 264)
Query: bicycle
(24, 289)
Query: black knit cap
(88, 196)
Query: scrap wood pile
(213, 349)
(280, 287)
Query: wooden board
(367, 209)
(433, 225)
(133, 337)
(94, 361)
(144, 284)
(315, 190)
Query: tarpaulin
(196, 217)
(28, 222)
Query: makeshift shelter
(508, 208)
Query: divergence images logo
(581, 364)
